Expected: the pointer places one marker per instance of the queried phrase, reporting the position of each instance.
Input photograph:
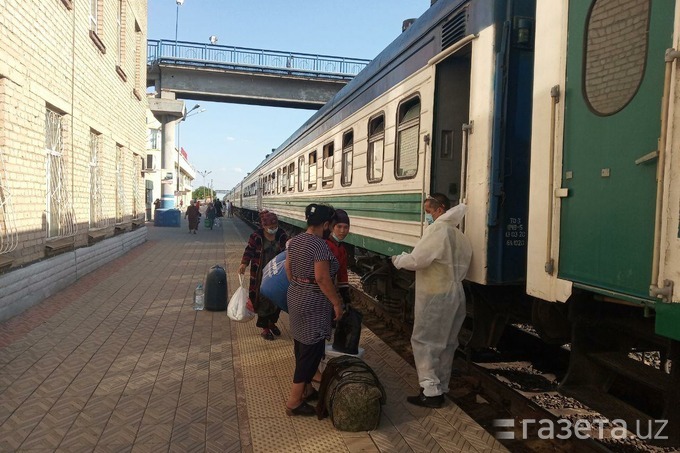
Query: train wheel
(550, 319)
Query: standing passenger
(310, 267)
(263, 245)
(441, 259)
(334, 241)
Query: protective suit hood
(454, 215)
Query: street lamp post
(204, 173)
(179, 3)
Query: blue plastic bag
(275, 282)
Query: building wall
(49, 59)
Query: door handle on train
(647, 157)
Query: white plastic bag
(237, 309)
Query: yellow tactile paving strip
(267, 368)
(119, 361)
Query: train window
(327, 167)
(312, 171)
(347, 149)
(615, 53)
(301, 173)
(291, 177)
(278, 181)
(284, 181)
(376, 148)
(408, 128)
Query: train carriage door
(614, 86)
(451, 114)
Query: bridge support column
(168, 112)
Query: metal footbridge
(244, 75)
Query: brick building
(72, 141)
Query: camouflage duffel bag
(351, 394)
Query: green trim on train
(405, 206)
(375, 245)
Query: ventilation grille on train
(455, 29)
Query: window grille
(376, 148)
(454, 29)
(97, 219)
(120, 185)
(347, 151)
(138, 207)
(9, 238)
(59, 216)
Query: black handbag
(347, 331)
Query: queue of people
(316, 266)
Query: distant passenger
(194, 215)
(157, 203)
(440, 259)
(263, 245)
(230, 209)
(218, 208)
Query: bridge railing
(197, 54)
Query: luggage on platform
(274, 285)
(351, 394)
(208, 223)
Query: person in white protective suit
(440, 259)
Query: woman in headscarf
(263, 245)
(311, 267)
(193, 214)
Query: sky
(229, 140)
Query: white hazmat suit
(441, 260)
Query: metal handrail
(261, 58)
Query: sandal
(303, 409)
(267, 335)
(275, 330)
(313, 395)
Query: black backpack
(351, 393)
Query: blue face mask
(428, 218)
(272, 230)
(336, 238)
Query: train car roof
(385, 61)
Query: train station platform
(119, 361)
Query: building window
(97, 219)
(154, 139)
(376, 148)
(137, 58)
(291, 177)
(301, 173)
(347, 150)
(408, 128)
(120, 23)
(96, 25)
(311, 184)
(327, 167)
(59, 216)
(120, 184)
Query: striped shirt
(309, 309)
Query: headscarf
(341, 216)
(268, 218)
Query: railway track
(516, 383)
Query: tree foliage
(202, 192)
